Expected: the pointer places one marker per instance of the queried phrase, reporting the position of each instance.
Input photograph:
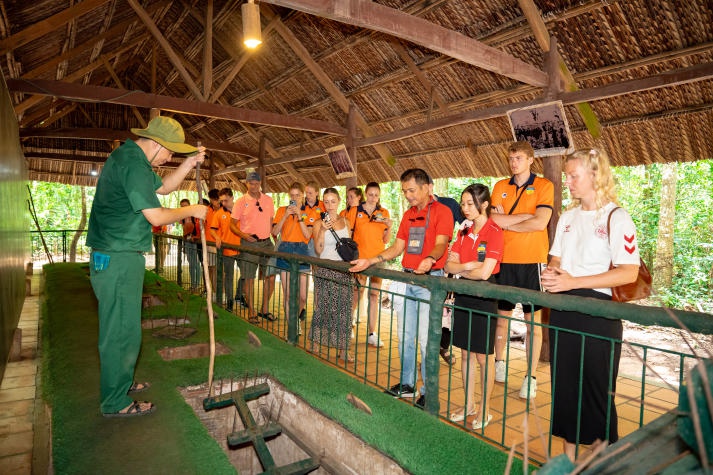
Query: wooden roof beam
(330, 87)
(174, 104)
(699, 72)
(47, 25)
(542, 36)
(172, 56)
(373, 16)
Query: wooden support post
(552, 169)
(261, 164)
(349, 144)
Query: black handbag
(347, 248)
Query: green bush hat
(167, 132)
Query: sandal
(267, 316)
(254, 320)
(347, 357)
(479, 424)
(458, 416)
(134, 409)
(138, 387)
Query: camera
(293, 203)
(325, 217)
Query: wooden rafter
(43, 27)
(175, 104)
(373, 16)
(329, 86)
(174, 58)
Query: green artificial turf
(173, 440)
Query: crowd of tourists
(499, 236)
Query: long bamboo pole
(208, 285)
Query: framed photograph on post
(545, 127)
(341, 162)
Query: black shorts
(524, 276)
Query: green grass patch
(173, 440)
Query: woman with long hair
(581, 254)
(372, 230)
(476, 255)
(331, 321)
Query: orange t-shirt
(291, 230)
(368, 229)
(525, 248)
(311, 214)
(221, 224)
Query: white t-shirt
(582, 244)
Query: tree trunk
(80, 228)
(663, 258)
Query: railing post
(293, 304)
(433, 346)
(179, 264)
(64, 245)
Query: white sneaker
(533, 388)
(374, 340)
(500, 368)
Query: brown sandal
(134, 409)
(254, 320)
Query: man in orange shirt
(522, 207)
(220, 229)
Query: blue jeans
(413, 327)
(194, 267)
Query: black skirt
(474, 329)
(600, 367)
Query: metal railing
(59, 245)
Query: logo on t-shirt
(601, 232)
(530, 190)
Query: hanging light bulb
(252, 32)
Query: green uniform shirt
(126, 186)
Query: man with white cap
(124, 209)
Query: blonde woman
(331, 321)
(581, 253)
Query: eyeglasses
(420, 218)
(257, 203)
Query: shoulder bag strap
(514, 205)
(609, 226)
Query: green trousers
(118, 287)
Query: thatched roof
(428, 81)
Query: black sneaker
(242, 301)
(401, 390)
(421, 402)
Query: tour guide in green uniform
(124, 209)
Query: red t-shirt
(440, 223)
(488, 243)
